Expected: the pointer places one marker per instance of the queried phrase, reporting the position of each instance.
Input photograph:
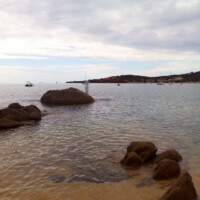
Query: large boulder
(69, 96)
(131, 159)
(145, 150)
(15, 115)
(166, 169)
(183, 189)
(171, 154)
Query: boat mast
(86, 85)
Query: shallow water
(74, 152)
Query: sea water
(74, 152)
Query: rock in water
(15, 115)
(57, 178)
(7, 123)
(183, 189)
(131, 159)
(99, 172)
(166, 169)
(171, 154)
(69, 96)
(146, 150)
(14, 105)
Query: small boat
(160, 83)
(28, 84)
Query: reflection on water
(75, 151)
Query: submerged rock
(145, 150)
(57, 178)
(99, 172)
(69, 96)
(15, 115)
(183, 189)
(166, 169)
(98, 177)
(171, 154)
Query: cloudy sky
(60, 40)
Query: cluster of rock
(71, 96)
(16, 115)
(167, 165)
(183, 189)
(139, 153)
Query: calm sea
(74, 152)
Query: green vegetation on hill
(189, 77)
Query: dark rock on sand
(69, 96)
(171, 154)
(183, 189)
(166, 169)
(15, 115)
(131, 159)
(145, 150)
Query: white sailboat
(160, 82)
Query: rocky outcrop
(166, 169)
(139, 152)
(15, 115)
(69, 96)
(183, 189)
(171, 154)
(145, 150)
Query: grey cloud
(137, 24)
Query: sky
(61, 40)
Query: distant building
(151, 80)
(178, 79)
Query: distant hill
(189, 77)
